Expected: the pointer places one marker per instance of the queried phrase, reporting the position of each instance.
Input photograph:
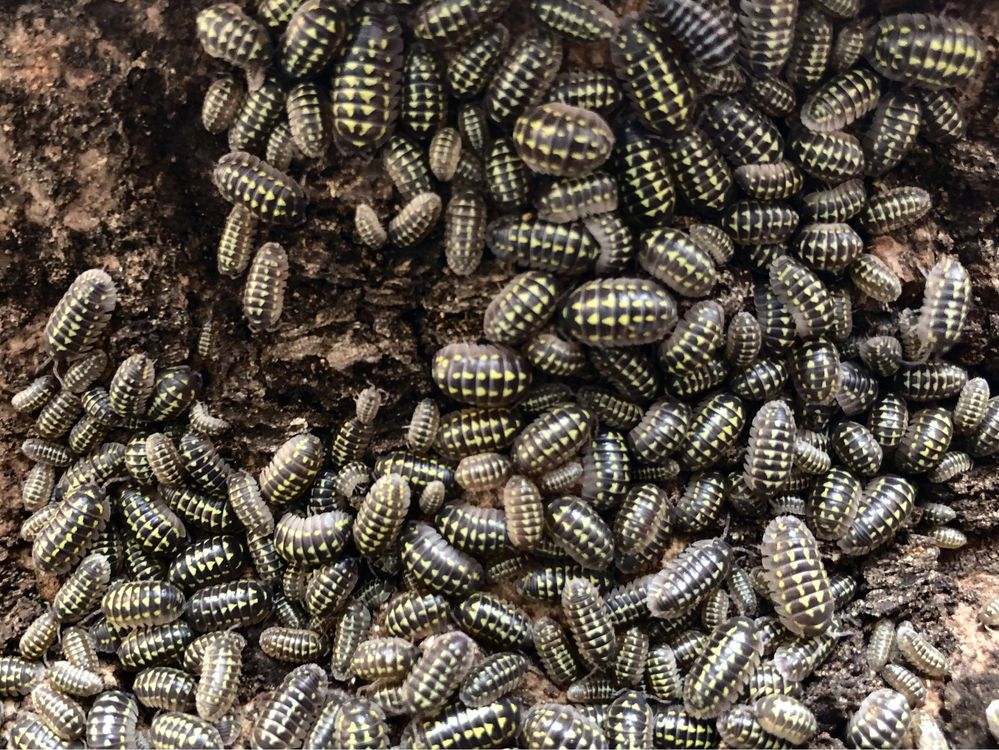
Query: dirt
(103, 162)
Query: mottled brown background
(103, 162)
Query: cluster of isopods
(511, 576)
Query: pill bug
(79, 648)
(586, 614)
(770, 450)
(381, 515)
(745, 135)
(578, 529)
(419, 471)
(433, 562)
(590, 89)
(849, 44)
(74, 525)
(828, 247)
(80, 594)
(444, 153)
(407, 166)
(707, 31)
(686, 579)
(555, 651)
(112, 720)
(367, 79)
(880, 645)
(717, 676)
(618, 312)
(887, 502)
(473, 126)
(78, 320)
(469, 71)
(562, 140)
(269, 194)
(767, 34)
(480, 374)
(223, 100)
(69, 679)
(786, 717)
(369, 227)
(154, 646)
(39, 636)
(523, 76)
(611, 410)
(985, 440)
(329, 587)
(903, 681)
(699, 507)
(28, 730)
(715, 425)
(494, 621)
(918, 651)
(248, 504)
(645, 184)
(229, 604)
(925, 441)
(798, 583)
(673, 258)
(132, 604)
(971, 404)
(834, 157)
(281, 150)
(942, 121)
(438, 673)
(841, 100)
(181, 730)
(35, 395)
(308, 119)
(811, 49)
(284, 720)
(296, 645)
(576, 198)
(227, 33)
(351, 630)
(449, 23)
(464, 232)
(892, 132)
(551, 438)
(777, 181)
(673, 726)
(292, 469)
(946, 301)
(751, 222)
(583, 20)
(131, 386)
(657, 86)
(165, 688)
(924, 50)
(58, 416)
(881, 721)
(554, 725)
(415, 220)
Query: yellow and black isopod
(719, 673)
(946, 302)
(562, 140)
(469, 71)
(929, 51)
(523, 76)
(80, 316)
(655, 82)
(77, 522)
(270, 194)
(227, 33)
(310, 41)
(618, 312)
(367, 78)
(285, 719)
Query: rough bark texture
(103, 162)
